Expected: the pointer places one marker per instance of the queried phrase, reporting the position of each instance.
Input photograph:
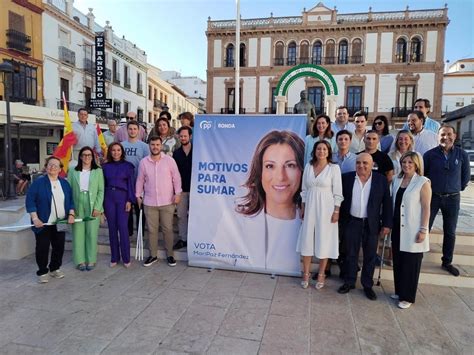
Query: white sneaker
(42, 279)
(404, 304)
(394, 297)
(57, 274)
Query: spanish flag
(102, 143)
(64, 150)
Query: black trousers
(356, 234)
(49, 236)
(406, 270)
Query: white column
(331, 106)
(281, 101)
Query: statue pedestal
(281, 103)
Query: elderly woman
(321, 130)
(21, 177)
(49, 199)
(411, 205)
(119, 197)
(163, 130)
(380, 125)
(321, 193)
(87, 182)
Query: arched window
(317, 53)
(330, 52)
(356, 55)
(401, 50)
(415, 50)
(291, 60)
(279, 51)
(229, 55)
(342, 59)
(242, 55)
(304, 52)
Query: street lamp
(9, 184)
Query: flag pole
(237, 59)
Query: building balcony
(71, 106)
(356, 59)
(291, 61)
(108, 74)
(329, 60)
(127, 84)
(342, 60)
(157, 103)
(279, 61)
(270, 110)
(229, 63)
(89, 66)
(416, 58)
(305, 60)
(401, 111)
(231, 111)
(353, 109)
(116, 77)
(18, 41)
(139, 89)
(316, 60)
(67, 56)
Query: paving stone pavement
(177, 310)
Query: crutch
(381, 259)
(139, 247)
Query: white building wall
(249, 93)
(252, 53)
(369, 92)
(431, 46)
(425, 87)
(387, 92)
(458, 91)
(264, 92)
(371, 48)
(265, 51)
(386, 47)
(218, 100)
(217, 53)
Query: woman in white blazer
(411, 194)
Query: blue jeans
(449, 206)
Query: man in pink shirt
(158, 187)
(122, 133)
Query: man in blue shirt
(447, 166)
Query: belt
(113, 188)
(363, 220)
(447, 194)
(84, 191)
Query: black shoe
(171, 261)
(150, 261)
(345, 288)
(180, 244)
(370, 293)
(451, 269)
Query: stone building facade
(380, 61)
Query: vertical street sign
(100, 100)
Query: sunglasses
(378, 123)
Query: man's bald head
(364, 165)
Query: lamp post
(7, 68)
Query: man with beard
(424, 106)
(424, 139)
(447, 166)
(183, 157)
(158, 188)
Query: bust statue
(306, 107)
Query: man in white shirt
(110, 134)
(357, 143)
(362, 221)
(424, 106)
(424, 139)
(342, 121)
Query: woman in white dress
(321, 196)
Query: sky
(172, 32)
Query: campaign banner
(245, 192)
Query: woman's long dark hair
(328, 133)
(109, 152)
(252, 203)
(79, 160)
(313, 152)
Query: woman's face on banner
(281, 175)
